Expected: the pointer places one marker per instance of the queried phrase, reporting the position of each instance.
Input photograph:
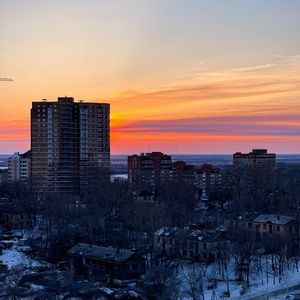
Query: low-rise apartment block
(190, 244)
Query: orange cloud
(208, 111)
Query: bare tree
(194, 283)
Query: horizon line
(138, 153)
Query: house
(105, 263)
(187, 243)
(266, 224)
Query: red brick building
(146, 172)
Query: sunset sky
(182, 76)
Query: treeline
(107, 215)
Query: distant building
(147, 172)
(257, 158)
(191, 244)
(253, 177)
(184, 172)
(19, 167)
(3, 176)
(209, 179)
(105, 263)
(70, 143)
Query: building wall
(70, 144)
(98, 268)
(191, 249)
(19, 168)
(263, 229)
(3, 176)
(184, 173)
(210, 179)
(256, 158)
(147, 172)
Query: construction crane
(6, 79)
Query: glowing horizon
(232, 87)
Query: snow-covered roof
(274, 219)
(161, 231)
(186, 233)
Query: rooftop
(101, 253)
(274, 219)
(186, 233)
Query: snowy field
(16, 257)
(190, 276)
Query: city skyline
(208, 77)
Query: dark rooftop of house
(101, 253)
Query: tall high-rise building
(19, 166)
(146, 172)
(253, 179)
(209, 179)
(184, 172)
(70, 144)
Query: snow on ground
(36, 287)
(14, 257)
(259, 284)
(185, 275)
